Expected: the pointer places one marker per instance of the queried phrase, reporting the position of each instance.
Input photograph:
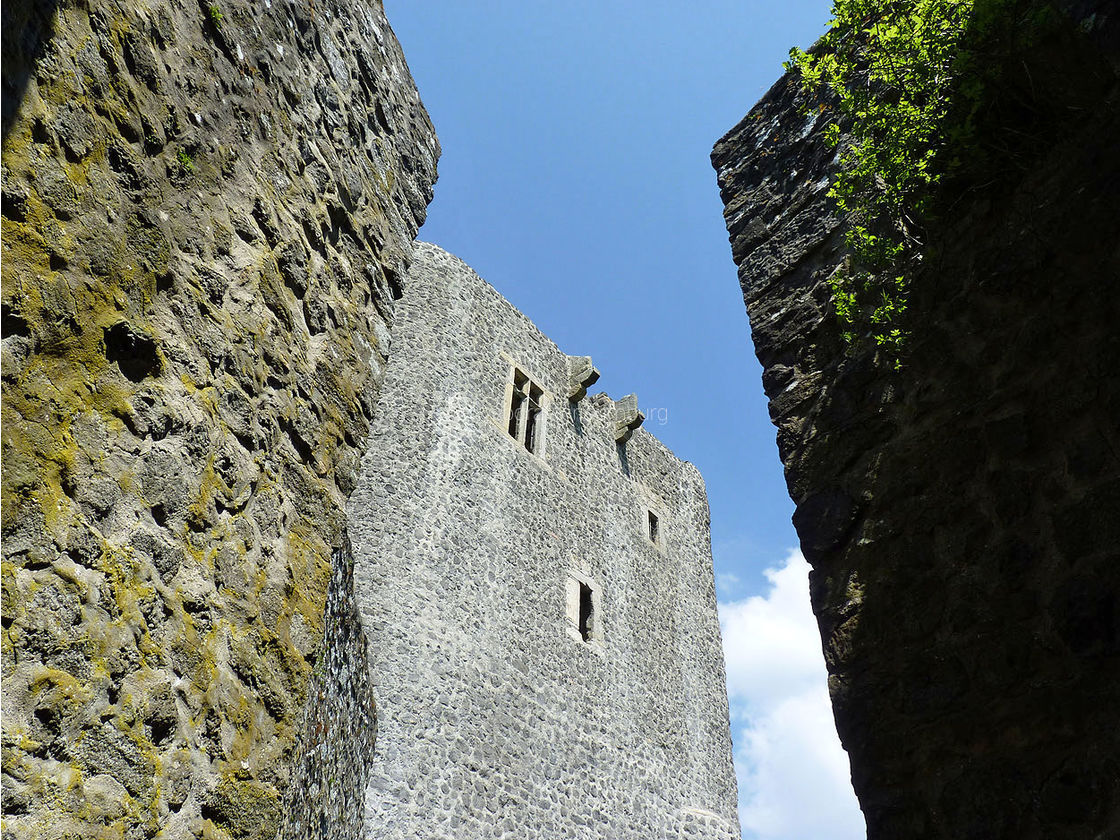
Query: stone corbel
(581, 375)
(627, 418)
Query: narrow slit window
(654, 527)
(586, 612)
(515, 412)
(532, 418)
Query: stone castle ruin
(208, 225)
(534, 575)
(307, 533)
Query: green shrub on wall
(909, 79)
(890, 64)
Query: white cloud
(726, 582)
(793, 775)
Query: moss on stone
(248, 809)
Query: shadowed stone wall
(495, 716)
(339, 727)
(961, 515)
(208, 210)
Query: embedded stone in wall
(582, 375)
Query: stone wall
(495, 716)
(207, 215)
(339, 726)
(961, 515)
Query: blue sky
(575, 178)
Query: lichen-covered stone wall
(962, 514)
(207, 215)
(339, 726)
(495, 717)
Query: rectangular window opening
(515, 413)
(525, 408)
(531, 429)
(586, 612)
(583, 610)
(520, 381)
(531, 420)
(653, 527)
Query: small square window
(654, 527)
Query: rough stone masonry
(962, 515)
(534, 575)
(208, 210)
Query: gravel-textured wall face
(495, 717)
(962, 515)
(207, 212)
(339, 726)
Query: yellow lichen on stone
(166, 540)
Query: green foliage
(215, 16)
(892, 67)
(926, 90)
(186, 162)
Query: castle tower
(534, 575)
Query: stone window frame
(543, 402)
(573, 579)
(648, 505)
